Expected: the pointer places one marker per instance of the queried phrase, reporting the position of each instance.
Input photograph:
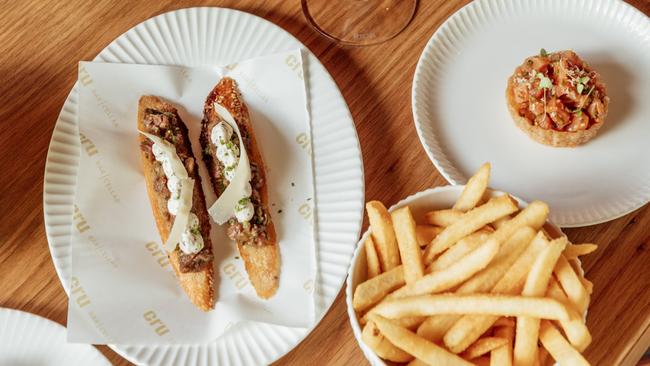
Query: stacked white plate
(27, 339)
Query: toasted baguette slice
(197, 282)
(261, 254)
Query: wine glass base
(359, 22)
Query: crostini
(250, 226)
(177, 200)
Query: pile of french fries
(480, 283)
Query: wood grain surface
(40, 45)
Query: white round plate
(28, 339)
(419, 204)
(198, 36)
(460, 111)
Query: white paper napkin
(123, 288)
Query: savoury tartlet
(557, 99)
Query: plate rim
(46, 322)
(440, 161)
(304, 332)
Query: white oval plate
(198, 36)
(419, 203)
(28, 339)
(460, 111)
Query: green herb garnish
(242, 202)
(578, 112)
(581, 83)
(195, 231)
(544, 81)
(543, 53)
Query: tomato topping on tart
(557, 98)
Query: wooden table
(40, 44)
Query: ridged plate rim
(36, 330)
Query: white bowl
(420, 203)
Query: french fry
(536, 283)
(426, 233)
(571, 284)
(474, 189)
(373, 290)
(417, 362)
(457, 251)
(409, 250)
(481, 361)
(443, 218)
(372, 261)
(485, 304)
(508, 253)
(419, 347)
(470, 327)
(542, 269)
(511, 288)
(504, 322)
(410, 322)
(575, 329)
(483, 346)
(589, 286)
(436, 326)
(468, 223)
(534, 216)
(447, 278)
(453, 275)
(383, 235)
(502, 356)
(558, 347)
(577, 250)
(498, 223)
(542, 356)
(373, 338)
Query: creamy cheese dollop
(221, 133)
(191, 240)
(173, 206)
(244, 210)
(229, 173)
(173, 181)
(174, 186)
(228, 154)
